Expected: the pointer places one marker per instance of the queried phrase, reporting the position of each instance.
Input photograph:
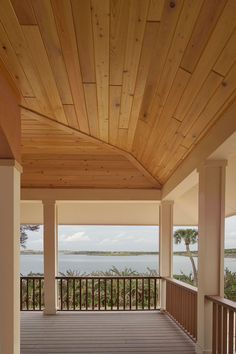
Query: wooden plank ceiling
(147, 77)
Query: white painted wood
(50, 256)
(210, 245)
(9, 258)
(166, 246)
(91, 194)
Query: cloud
(78, 236)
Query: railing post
(50, 256)
(166, 246)
(10, 257)
(210, 246)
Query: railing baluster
(118, 293)
(231, 331)
(124, 294)
(225, 330)
(33, 294)
(67, 297)
(142, 294)
(21, 299)
(130, 294)
(149, 296)
(105, 292)
(80, 294)
(27, 295)
(86, 294)
(74, 294)
(92, 294)
(111, 294)
(136, 294)
(155, 293)
(99, 295)
(219, 329)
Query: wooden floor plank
(68, 333)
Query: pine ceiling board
(90, 91)
(180, 40)
(137, 20)
(24, 12)
(155, 10)
(163, 121)
(208, 89)
(71, 116)
(114, 113)
(206, 22)
(100, 20)
(64, 20)
(13, 66)
(227, 57)
(48, 31)
(39, 55)
(122, 138)
(174, 161)
(170, 144)
(217, 101)
(221, 34)
(105, 156)
(163, 40)
(84, 34)
(79, 164)
(18, 42)
(119, 15)
(150, 35)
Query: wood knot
(172, 4)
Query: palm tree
(189, 237)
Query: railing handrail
(182, 284)
(231, 305)
(109, 277)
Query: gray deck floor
(102, 333)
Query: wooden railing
(31, 293)
(93, 293)
(181, 305)
(223, 325)
(108, 293)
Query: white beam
(166, 245)
(91, 194)
(50, 256)
(9, 258)
(210, 245)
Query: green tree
(189, 237)
(24, 235)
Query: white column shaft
(210, 245)
(50, 256)
(166, 245)
(10, 259)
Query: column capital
(212, 163)
(49, 202)
(167, 202)
(11, 163)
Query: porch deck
(134, 332)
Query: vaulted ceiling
(116, 93)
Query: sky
(116, 238)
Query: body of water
(88, 264)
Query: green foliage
(230, 285)
(184, 278)
(23, 233)
(189, 236)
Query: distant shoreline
(230, 253)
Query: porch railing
(93, 293)
(108, 293)
(31, 293)
(223, 325)
(181, 305)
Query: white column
(166, 245)
(210, 245)
(50, 256)
(10, 257)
